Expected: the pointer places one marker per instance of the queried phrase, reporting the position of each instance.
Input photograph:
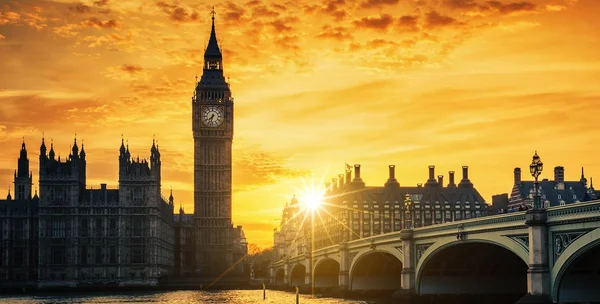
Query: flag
(348, 167)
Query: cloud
(80, 8)
(408, 23)
(338, 33)
(177, 13)
(2, 37)
(434, 19)
(101, 3)
(131, 68)
(255, 169)
(381, 22)
(378, 3)
(97, 23)
(472, 7)
(512, 8)
(284, 24)
(9, 17)
(333, 8)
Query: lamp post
(536, 168)
(344, 229)
(407, 205)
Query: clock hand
(211, 117)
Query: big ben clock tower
(212, 124)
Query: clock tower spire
(212, 126)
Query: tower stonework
(212, 125)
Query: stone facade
(554, 192)
(352, 210)
(19, 229)
(71, 236)
(220, 248)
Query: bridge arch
(326, 273)
(298, 275)
(575, 276)
(481, 264)
(279, 277)
(376, 270)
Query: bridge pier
(344, 279)
(407, 291)
(538, 274)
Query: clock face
(212, 116)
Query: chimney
(465, 180)
(559, 174)
(392, 181)
(518, 176)
(341, 180)
(348, 176)
(451, 183)
(334, 184)
(357, 180)
(431, 181)
(441, 180)
(103, 187)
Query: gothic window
(98, 255)
(83, 227)
(58, 228)
(448, 215)
(98, 228)
(19, 254)
(113, 227)
(19, 228)
(57, 256)
(457, 216)
(137, 254)
(83, 255)
(138, 226)
(467, 214)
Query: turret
(51, 154)
(23, 177)
(75, 149)
(583, 180)
(171, 198)
(8, 197)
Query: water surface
(175, 297)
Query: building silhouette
(552, 192)
(218, 246)
(352, 210)
(19, 228)
(74, 236)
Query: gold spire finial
(213, 13)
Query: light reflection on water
(175, 297)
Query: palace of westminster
(68, 235)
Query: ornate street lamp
(536, 168)
(407, 205)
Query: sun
(313, 200)
(312, 197)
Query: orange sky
(316, 84)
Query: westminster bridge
(547, 255)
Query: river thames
(176, 297)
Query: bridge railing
(499, 221)
(573, 211)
